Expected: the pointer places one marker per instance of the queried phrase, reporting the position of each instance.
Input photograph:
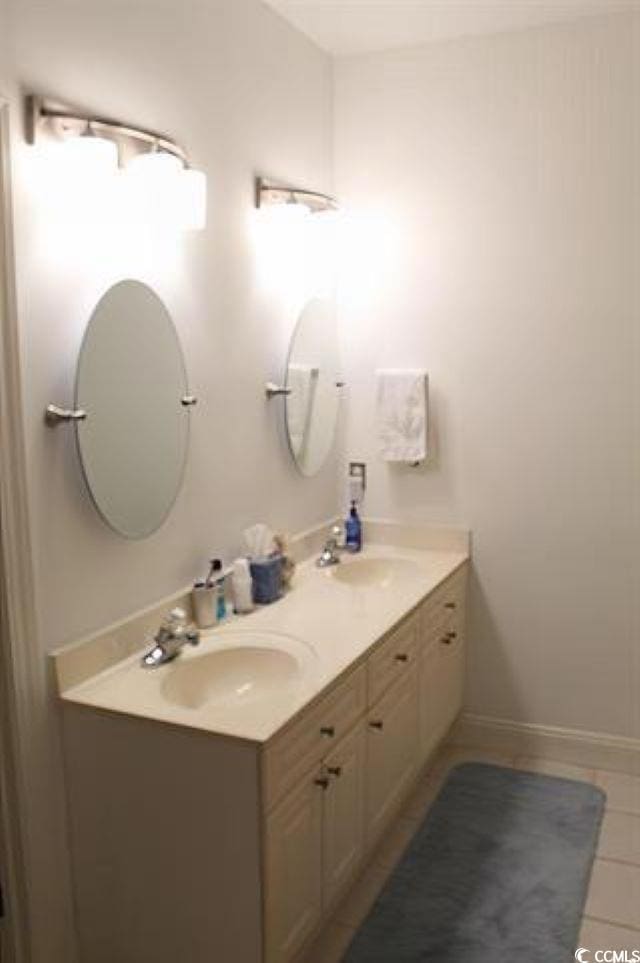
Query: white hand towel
(302, 379)
(402, 414)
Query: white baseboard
(594, 750)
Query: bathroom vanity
(222, 805)
(333, 780)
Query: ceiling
(343, 27)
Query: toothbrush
(215, 567)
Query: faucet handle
(176, 619)
(174, 632)
(173, 625)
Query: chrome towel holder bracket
(55, 415)
(272, 390)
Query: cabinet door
(343, 824)
(392, 744)
(293, 871)
(451, 673)
(441, 682)
(430, 701)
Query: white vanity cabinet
(441, 662)
(191, 845)
(293, 870)
(314, 843)
(392, 753)
(343, 814)
(318, 838)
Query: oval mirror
(132, 383)
(313, 377)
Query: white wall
(4, 44)
(245, 94)
(493, 185)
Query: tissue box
(266, 577)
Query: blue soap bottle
(353, 530)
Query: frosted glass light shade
(290, 213)
(82, 177)
(157, 166)
(150, 184)
(91, 155)
(165, 194)
(193, 187)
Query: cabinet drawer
(395, 657)
(312, 736)
(447, 638)
(445, 609)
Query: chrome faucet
(331, 551)
(174, 632)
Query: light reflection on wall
(370, 257)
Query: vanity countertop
(326, 624)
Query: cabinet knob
(452, 635)
(328, 731)
(376, 724)
(402, 657)
(449, 605)
(335, 771)
(322, 781)
(446, 640)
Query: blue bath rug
(497, 873)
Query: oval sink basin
(239, 672)
(373, 572)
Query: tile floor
(612, 911)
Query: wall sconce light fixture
(269, 193)
(165, 185)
